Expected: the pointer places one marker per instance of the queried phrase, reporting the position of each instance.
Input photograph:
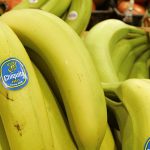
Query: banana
(29, 4)
(123, 47)
(4, 145)
(57, 7)
(108, 141)
(140, 68)
(126, 65)
(99, 41)
(60, 130)
(132, 112)
(72, 67)
(79, 15)
(22, 109)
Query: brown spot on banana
(6, 95)
(8, 98)
(19, 128)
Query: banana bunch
(76, 13)
(121, 54)
(61, 103)
(63, 91)
(129, 102)
(118, 50)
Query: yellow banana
(22, 108)
(60, 129)
(75, 74)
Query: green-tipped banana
(140, 68)
(30, 4)
(126, 65)
(57, 7)
(75, 74)
(132, 113)
(100, 39)
(123, 47)
(61, 134)
(22, 108)
(79, 15)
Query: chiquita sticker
(13, 74)
(72, 15)
(33, 1)
(147, 145)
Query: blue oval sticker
(13, 74)
(147, 145)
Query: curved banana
(60, 130)
(99, 47)
(79, 15)
(57, 7)
(123, 47)
(132, 113)
(127, 64)
(140, 68)
(29, 4)
(72, 68)
(22, 109)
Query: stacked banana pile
(61, 91)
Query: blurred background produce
(120, 9)
(6, 5)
